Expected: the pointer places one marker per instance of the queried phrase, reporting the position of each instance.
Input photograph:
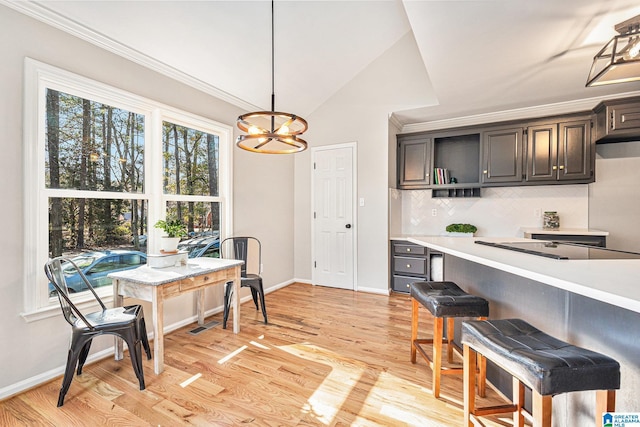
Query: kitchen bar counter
(612, 281)
(589, 303)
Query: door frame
(354, 201)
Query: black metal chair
(249, 250)
(126, 322)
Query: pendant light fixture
(619, 60)
(272, 132)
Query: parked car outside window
(201, 247)
(96, 265)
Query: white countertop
(151, 276)
(612, 281)
(568, 231)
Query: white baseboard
(374, 290)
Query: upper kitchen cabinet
(618, 120)
(560, 152)
(414, 161)
(502, 156)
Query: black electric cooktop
(562, 250)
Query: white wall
(263, 192)
(614, 199)
(359, 113)
(501, 211)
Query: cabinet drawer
(409, 265)
(401, 283)
(400, 249)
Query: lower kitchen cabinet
(409, 263)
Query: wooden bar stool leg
(482, 371)
(518, 401)
(482, 375)
(469, 383)
(414, 328)
(605, 402)
(450, 336)
(542, 409)
(438, 323)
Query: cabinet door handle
(554, 167)
(561, 167)
(484, 172)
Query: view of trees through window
(94, 175)
(190, 167)
(92, 147)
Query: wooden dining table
(157, 284)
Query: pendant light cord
(273, 68)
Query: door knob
(348, 226)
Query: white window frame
(38, 78)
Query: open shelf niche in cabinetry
(459, 155)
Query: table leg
(118, 300)
(158, 330)
(200, 306)
(236, 300)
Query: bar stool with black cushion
(541, 362)
(444, 300)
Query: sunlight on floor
(232, 354)
(190, 380)
(327, 399)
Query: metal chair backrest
(240, 248)
(56, 274)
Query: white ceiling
(479, 55)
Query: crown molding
(559, 108)
(43, 14)
(393, 120)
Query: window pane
(202, 218)
(78, 225)
(190, 161)
(97, 235)
(92, 146)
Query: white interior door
(333, 210)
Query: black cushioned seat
(545, 364)
(446, 299)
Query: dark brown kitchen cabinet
(561, 151)
(618, 120)
(409, 263)
(502, 155)
(414, 161)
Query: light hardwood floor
(328, 357)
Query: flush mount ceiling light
(619, 60)
(272, 132)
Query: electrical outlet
(434, 212)
(537, 213)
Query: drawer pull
(408, 265)
(408, 249)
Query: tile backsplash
(500, 212)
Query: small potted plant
(175, 230)
(461, 230)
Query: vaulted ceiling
(473, 56)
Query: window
(101, 167)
